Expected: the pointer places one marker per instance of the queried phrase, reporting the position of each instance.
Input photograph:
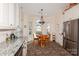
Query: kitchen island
(11, 48)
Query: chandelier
(42, 18)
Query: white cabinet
(24, 48)
(17, 15)
(1, 14)
(14, 15)
(4, 16)
(11, 15)
(7, 15)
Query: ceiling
(33, 9)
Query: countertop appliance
(12, 36)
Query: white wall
(26, 19)
(72, 13)
(26, 27)
(51, 21)
(25, 23)
(59, 29)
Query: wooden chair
(35, 41)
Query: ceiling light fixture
(42, 18)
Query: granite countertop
(10, 48)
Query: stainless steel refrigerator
(71, 36)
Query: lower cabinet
(22, 51)
(19, 52)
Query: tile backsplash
(3, 35)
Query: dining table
(43, 39)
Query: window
(38, 27)
(30, 28)
(48, 28)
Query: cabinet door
(4, 14)
(19, 52)
(17, 12)
(11, 15)
(1, 14)
(7, 15)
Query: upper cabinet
(9, 15)
(17, 13)
(4, 14)
(12, 14)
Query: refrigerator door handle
(63, 34)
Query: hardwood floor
(51, 49)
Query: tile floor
(51, 49)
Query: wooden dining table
(43, 39)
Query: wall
(25, 26)
(27, 19)
(59, 28)
(54, 22)
(51, 21)
(72, 13)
